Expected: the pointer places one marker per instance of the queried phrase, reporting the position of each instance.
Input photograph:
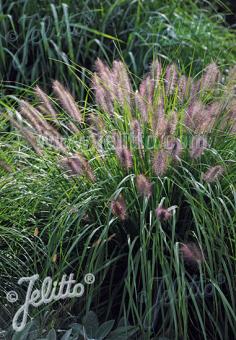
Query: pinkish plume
(191, 253)
(194, 88)
(106, 79)
(122, 83)
(210, 117)
(137, 133)
(163, 214)
(146, 90)
(183, 88)
(174, 147)
(199, 145)
(160, 163)
(30, 138)
(141, 106)
(144, 186)
(117, 140)
(46, 103)
(210, 77)
(125, 157)
(118, 208)
(41, 125)
(156, 71)
(213, 173)
(171, 124)
(171, 78)
(103, 98)
(195, 115)
(67, 101)
(159, 121)
(76, 166)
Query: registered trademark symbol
(89, 278)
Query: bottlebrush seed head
(77, 166)
(212, 174)
(118, 208)
(191, 253)
(210, 77)
(171, 78)
(67, 101)
(160, 163)
(103, 98)
(125, 157)
(141, 106)
(182, 88)
(144, 187)
(45, 102)
(137, 133)
(174, 147)
(163, 214)
(156, 71)
(199, 145)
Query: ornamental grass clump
(151, 166)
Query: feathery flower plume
(67, 101)
(117, 140)
(103, 70)
(96, 126)
(160, 163)
(76, 166)
(171, 78)
(72, 127)
(106, 80)
(146, 89)
(210, 77)
(174, 147)
(191, 253)
(103, 98)
(199, 145)
(213, 173)
(35, 118)
(194, 88)
(30, 138)
(118, 208)
(137, 133)
(125, 157)
(163, 214)
(41, 125)
(158, 120)
(45, 102)
(195, 115)
(122, 83)
(183, 88)
(141, 106)
(208, 120)
(144, 187)
(171, 124)
(156, 71)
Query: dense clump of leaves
(137, 190)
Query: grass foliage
(130, 177)
(36, 35)
(55, 222)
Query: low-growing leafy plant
(87, 330)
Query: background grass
(35, 35)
